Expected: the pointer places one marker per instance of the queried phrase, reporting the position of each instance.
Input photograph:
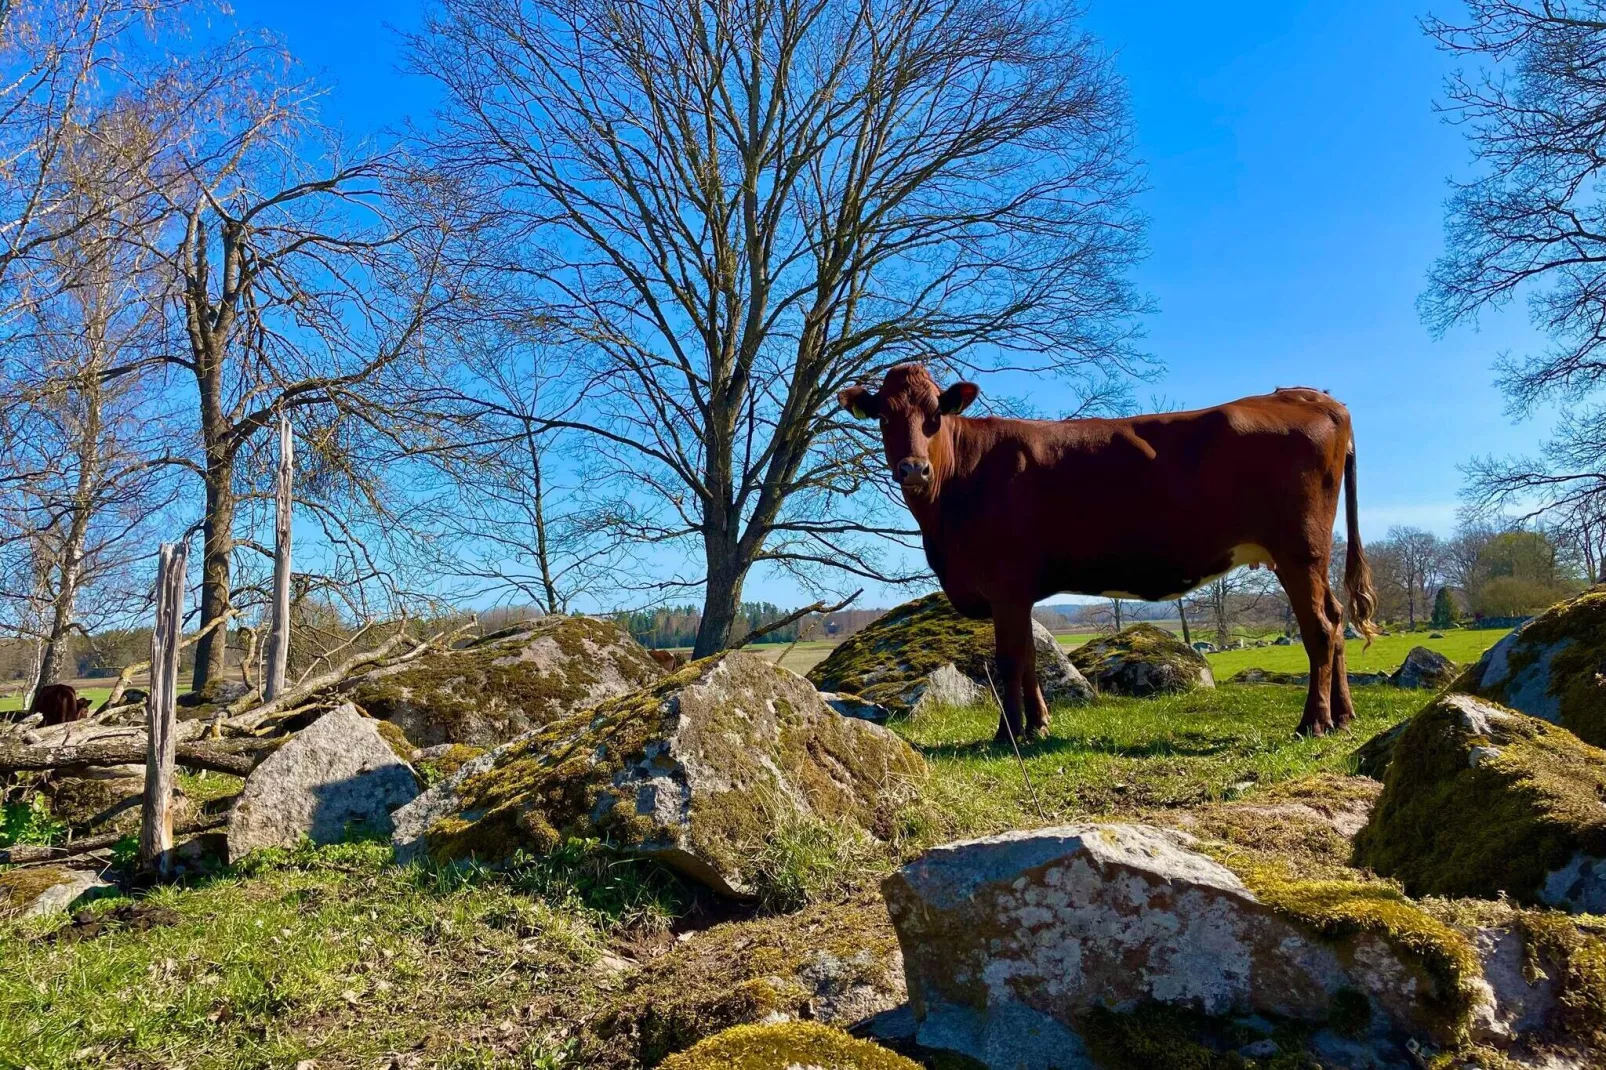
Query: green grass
(1461, 645)
(1125, 756)
(332, 954)
(97, 695)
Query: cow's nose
(914, 470)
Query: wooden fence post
(156, 827)
(279, 630)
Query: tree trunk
(721, 601)
(156, 825)
(216, 547)
(64, 611)
(279, 630)
(1182, 615)
(549, 588)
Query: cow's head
(911, 410)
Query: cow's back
(1094, 506)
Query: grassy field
(1462, 646)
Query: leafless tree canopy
(731, 211)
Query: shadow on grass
(983, 749)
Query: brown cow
(59, 703)
(1146, 507)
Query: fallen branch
(32, 854)
(243, 716)
(126, 677)
(236, 757)
(776, 625)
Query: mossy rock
(1483, 801)
(835, 963)
(787, 1046)
(696, 771)
(507, 683)
(1551, 668)
(29, 893)
(1142, 660)
(890, 661)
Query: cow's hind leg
(1023, 714)
(1343, 708)
(1306, 586)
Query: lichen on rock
(1483, 801)
(1011, 941)
(787, 1046)
(891, 662)
(695, 771)
(1140, 661)
(1550, 667)
(506, 683)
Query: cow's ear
(956, 397)
(859, 401)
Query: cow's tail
(1357, 573)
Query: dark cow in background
(1145, 507)
(59, 703)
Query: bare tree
(56, 60)
(1533, 224)
(293, 288)
(1406, 565)
(85, 434)
(1238, 599)
(731, 212)
(503, 504)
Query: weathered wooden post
(279, 631)
(156, 828)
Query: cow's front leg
(1017, 683)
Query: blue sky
(1297, 176)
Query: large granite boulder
(336, 775)
(1011, 942)
(696, 771)
(1140, 661)
(787, 1046)
(34, 893)
(1550, 668)
(1482, 801)
(1424, 668)
(894, 661)
(507, 683)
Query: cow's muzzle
(913, 473)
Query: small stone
(1261, 1049)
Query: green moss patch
(20, 887)
(497, 688)
(1552, 668)
(742, 972)
(1481, 801)
(888, 660)
(1343, 907)
(787, 1044)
